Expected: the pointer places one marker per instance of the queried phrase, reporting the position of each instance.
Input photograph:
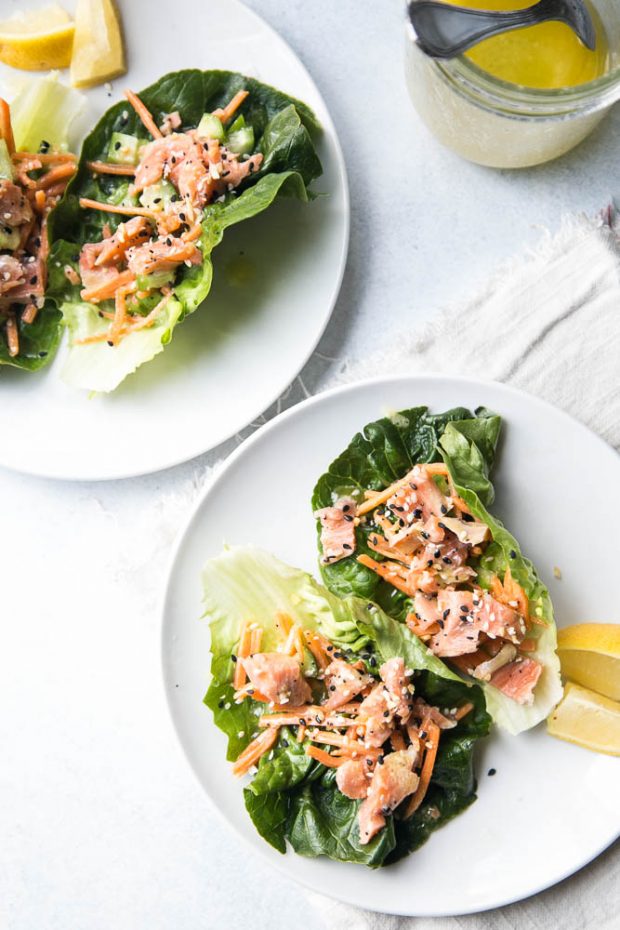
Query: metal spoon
(444, 31)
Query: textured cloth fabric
(548, 323)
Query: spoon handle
(443, 31)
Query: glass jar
(491, 122)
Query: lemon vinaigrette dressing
(523, 97)
(548, 56)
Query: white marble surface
(102, 823)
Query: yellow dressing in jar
(547, 56)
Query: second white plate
(550, 807)
(276, 281)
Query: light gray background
(102, 823)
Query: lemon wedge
(587, 719)
(98, 51)
(590, 655)
(37, 40)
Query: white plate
(551, 807)
(231, 359)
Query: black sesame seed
(444, 509)
(446, 613)
(464, 608)
(347, 546)
(437, 553)
(348, 517)
(467, 518)
(492, 772)
(233, 658)
(441, 624)
(332, 687)
(117, 146)
(386, 713)
(220, 704)
(447, 560)
(380, 760)
(423, 734)
(513, 554)
(417, 513)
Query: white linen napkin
(548, 323)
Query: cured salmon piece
(278, 677)
(162, 254)
(397, 682)
(352, 778)
(12, 274)
(337, 530)
(343, 683)
(518, 679)
(15, 209)
(465, 615)
(377, 716)
(391, 783)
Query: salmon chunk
(352, 779)
(397, 683)
(391, 783)
(278, 677)
(337, 530)
(518, 679)
(343, 683)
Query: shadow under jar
(507, 104)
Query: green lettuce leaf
(293, 797)
(461, 454)
(282, 129)
(382, 453)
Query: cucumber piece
(6, 165)
(241, 141)
(9, 238)
(158, 196)
(150, 282)
(210, 127)
(124, 149)
(239, 123)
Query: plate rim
(210, 487)
(329, 131)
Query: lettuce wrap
(271, 132)
(383, 453)
(293, 797)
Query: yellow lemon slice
(587, 719)
(590, 655)
(98, 51)
(37, 40)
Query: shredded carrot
(30, 313)
(421, 629)
(60, 173)
(250, 691)
(430, 756)
(243, 651)
(225, 113)
(88, 204)
(316, 647)
(6, 130)
(332, 762)
(120, 311)
(45, 159)
(437, 468)
(144, 114)
(108, 288)
(283, 624)
(389, 571)
(39, 199)
(256, 640)
(12, 335)
(379, 497)
(459, 502)
(252, 753)
(149, 319)
(103, 167)
(329, 739)
(301, 734)
(463, 710)
(192, 234)
(398, 741)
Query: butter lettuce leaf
(292, 797)
(283, 129)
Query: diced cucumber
(149, 282)
(157, 197)
(9, 238)
(210, 127)
(239, 123)
(6, 165)
(241, 141)
(124, 149)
